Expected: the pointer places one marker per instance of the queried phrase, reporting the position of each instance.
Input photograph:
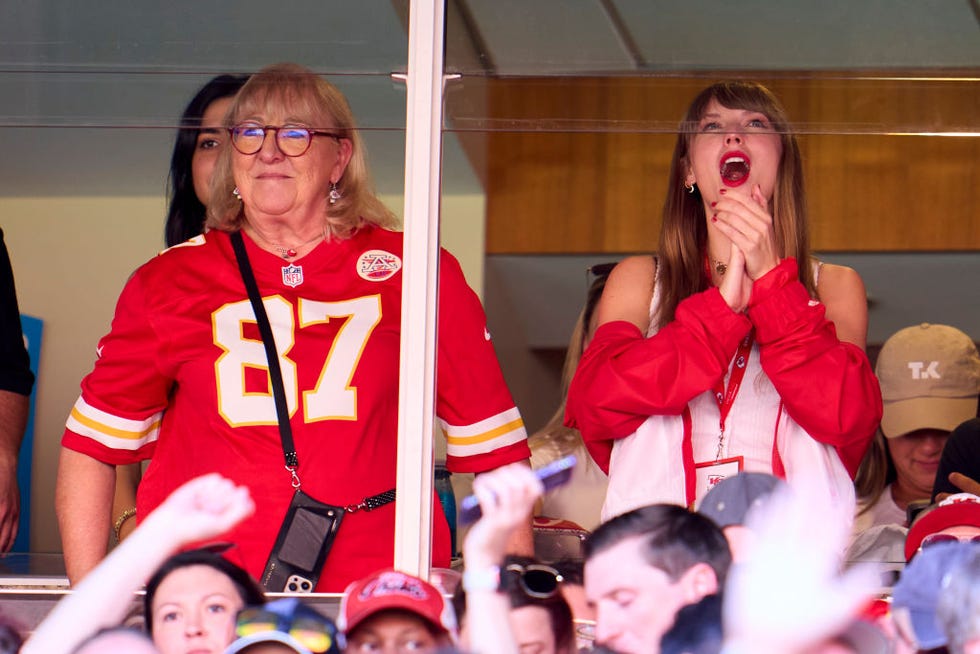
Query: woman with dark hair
(194, 596)
(732, 349)
(200, 136)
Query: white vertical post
(423, 138)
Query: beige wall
(71, 257)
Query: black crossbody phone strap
(275, 373)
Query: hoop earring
(690, 189)
(237, 194)
(335, 194)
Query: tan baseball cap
(930, 379)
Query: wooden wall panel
(580, 165)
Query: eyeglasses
(315, 634)
(292, 140)
(536, 580)
(933, 539)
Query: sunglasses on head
(933, 539)
(316, 635)
(536, 579)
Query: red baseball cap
(392, 589)
(961, 509)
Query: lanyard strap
(726, 398)
(275, 373)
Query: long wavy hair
(185, 213)
(319, 102)
(684, 232)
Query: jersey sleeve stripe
(501, 430)
(483, 426)
(485, 436)
(112, 431)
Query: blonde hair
(684, 232)
(566, 439)
(323, 105)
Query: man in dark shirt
(16, 381)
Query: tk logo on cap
(921, 371)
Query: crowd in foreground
(757, 569)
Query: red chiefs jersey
(182, 380)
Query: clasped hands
(746, 221)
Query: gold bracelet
(126, 515)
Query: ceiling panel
(802, 34)
(548, 36)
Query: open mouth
(734, 169)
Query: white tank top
(647, 466)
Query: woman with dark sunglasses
(513, 602)
(539, 616)
(188, 378)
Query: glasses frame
(277, 129)
(522, 571)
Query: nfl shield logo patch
(292, 276)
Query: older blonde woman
(184, 377)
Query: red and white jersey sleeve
(827, 385)
(483, 428)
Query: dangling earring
(335, 194)
(237, 194)
(690, 189)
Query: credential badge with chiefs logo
(378, 265)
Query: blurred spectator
(506, 495)
(930, 382)
(959, 465)
(955, 518)
(284, 625)
(581, 499)
(788, 596)
(958, 608)
(16, 382)
(11, 637)
(395, 611)
(916, 596)
(539, 616)
(201, 135)
(122, 640)
(642, 566)
(697, 628)
(573, 590)
(201, 508)
(730, 502)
